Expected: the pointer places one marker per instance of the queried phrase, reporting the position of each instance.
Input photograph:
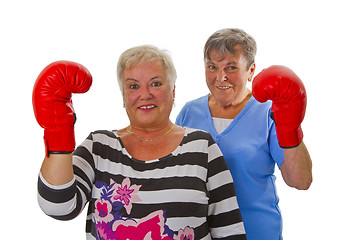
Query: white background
(319, 40)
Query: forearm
(60, 194)
(297, 167)
(57, 169)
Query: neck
(230, 110)
(149, 135)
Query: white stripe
(87, 143)
(199, 145)
(224, 206)
(219, 180)
(214, 152)
(177, 223)
(85, 167)
(182, 222)
(90, 237)
(57, 209)
(168, 196)
(82, 182)
(105, 165)
(221, 232)
(109, 141)
(59, 187)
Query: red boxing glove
(52, 103)
(287, 92)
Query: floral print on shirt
(111, 225)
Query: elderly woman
(245, 131)
(150, 180)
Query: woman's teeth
(224, 87)
(147, 107)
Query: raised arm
(58, 192)
(54, 112)
(287, 93)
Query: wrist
(59, 140)
(289, 138)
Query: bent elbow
(303, 184)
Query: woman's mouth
(223, 87)
(146, 107)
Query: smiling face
(226, 77)
(148, 96)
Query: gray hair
(144, 54)
(226, 40)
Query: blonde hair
(144, 54)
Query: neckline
(234, 121)
(173, 153)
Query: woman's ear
(251, 72)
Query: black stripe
(196, 135)
(201, 231)
(75, 212)
(233, 237)
(224, 219)
(106, 132)
(85, 154)
(78, 172)
(192, 183)
(216, 166)
(171, 183)
(56, 196)
(173, 209)
(222, 193)
(116, 156)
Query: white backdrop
(319, 40)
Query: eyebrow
(229, 63)
(133, 79)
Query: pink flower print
(102, 211)
(125, 193)
(185, 234)
(151, 227)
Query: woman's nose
(145, 93)
(221, 76)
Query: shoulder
(259, 109)
(192, 111)
(104, 137)
(102, 133)
(259, 105)
(198, 101)
(197, 135)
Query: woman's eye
(134, 86)
(156, 84)
(232, 68)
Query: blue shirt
(251, 149)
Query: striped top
(188, 194)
